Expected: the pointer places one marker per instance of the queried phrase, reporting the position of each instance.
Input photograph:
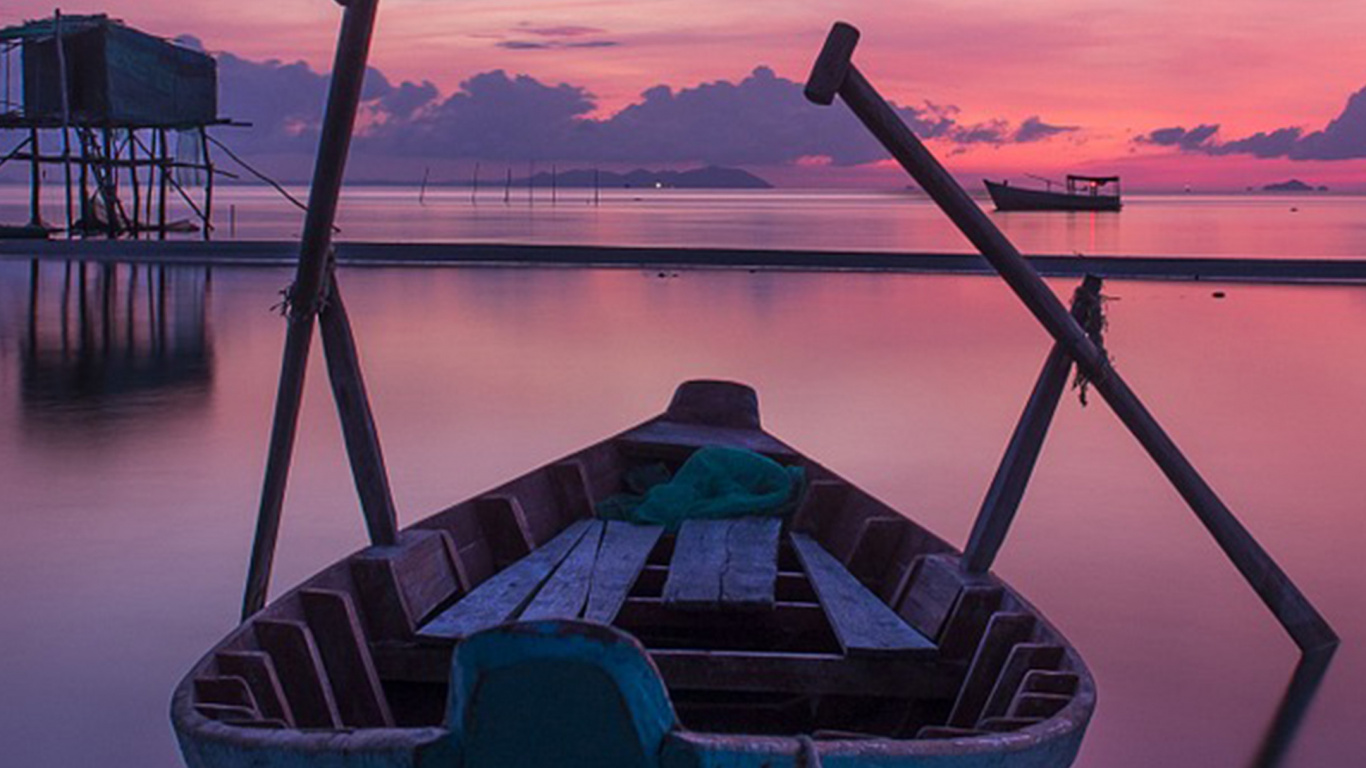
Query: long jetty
(282, 253)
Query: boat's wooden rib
(867, 634)
(1004, 632)
(356, 688)
(305, 681)
(257, 670)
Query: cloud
(1035, 129)
(761, 119)
(1177, 136)
(1343, 138)
(554, 45)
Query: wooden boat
(518, 628)
(1083, 193)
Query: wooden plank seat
(863, 624)
(584, 571)
(727, 564)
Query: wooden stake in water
(835, 74)
(306, 298)
(422, 191)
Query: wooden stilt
(208, 182)
(66, 119)
(136, 222)
(305, 295)
(163, 179)
(1008, 486)
(834, 73)
(35, 182)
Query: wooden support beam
(357, 421)
(1012, 476)
(305, 295)
(835, 73)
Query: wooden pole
(1012, 476)
(136, 223)
(208, 182)
(35, 185)
(107, 189)
(358, 423)
(60, 44)
(834, 73)
(305, 294)
(162, 183)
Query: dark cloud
(1343, 138)
(1177, 136)
(1035, 129)
(762, 119)
(553, 45)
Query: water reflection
(1299, 694)
(107, 342)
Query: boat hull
(1008, 198)
(244, 705)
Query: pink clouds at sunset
(1002, 88)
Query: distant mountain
(710, 177)
(1293, 185)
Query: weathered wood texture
(355, 687)
(400, 586)
(505, 593)
(724, 564)
(302, 675)
(563, 595)
(968, 621)
(863, 623)
(1005, 631)
(505, 527)
(1023, 658)
(624, 552)
(257, 669)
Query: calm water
(134, 417)
(1331, 226)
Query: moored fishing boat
(828, 626)
(1082, 193)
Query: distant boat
(1084, 193)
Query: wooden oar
(834, 73)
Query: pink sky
(1116, 69)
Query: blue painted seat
(556, 693)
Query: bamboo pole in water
(1012, 476)
(834, 73)
(306, 295)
